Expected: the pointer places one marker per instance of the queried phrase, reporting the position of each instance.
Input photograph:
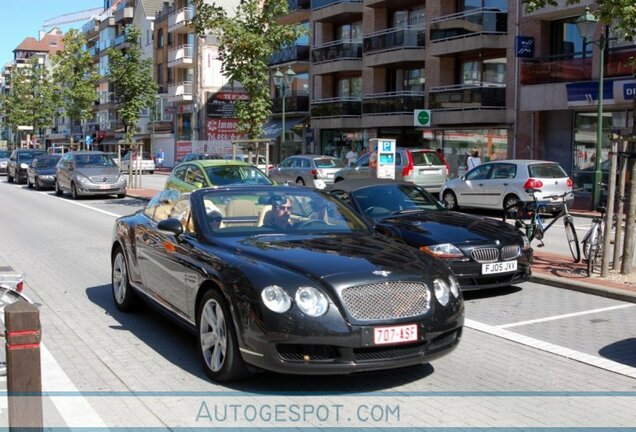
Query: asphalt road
(531, 355)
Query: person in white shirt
(473, 160)
(352, 156)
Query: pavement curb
(585, 287)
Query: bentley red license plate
(394, 334)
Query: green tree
(31, 101)
(134, 87)
(76, 78)
(246, 43)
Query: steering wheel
(310, 222)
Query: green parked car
(197, 174)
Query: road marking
(602, 363)
(558, 317)
(75, 411)
(84, 205)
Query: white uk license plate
(499, 267)
(394, 334)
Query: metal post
(596, 188)
(618, 237)
(282, 134)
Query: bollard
(24, 374)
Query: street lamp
(284, 82)
(586, 24)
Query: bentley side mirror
(171, 225)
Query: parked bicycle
(528, 216)
(593, 241)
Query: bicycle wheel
(522, 217)
(591, 258)
(573, 240)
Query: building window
(349, 87)
(566, 39)
(491, 71)
(160, 73)
(351, 32)
(502, 5)
(160, 38)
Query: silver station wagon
(316, 171)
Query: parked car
(261, 162)
(424, 167)
(19, 162)
(114, 156)
(498, 184)
(4, 160)
(197, 174)
(481, 252)
(41, 172)
(316, 171)
(200, 156)
(145, 164)
(324, 295)
(89, 173)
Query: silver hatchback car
(89, 173)
(424, 167)
(497, 184)
(316, 171)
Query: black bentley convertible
(286, 279)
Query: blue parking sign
(89, 140)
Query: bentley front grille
(386, 301)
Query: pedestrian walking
(160, 158)
(352, 155)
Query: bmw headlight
(442, 291)
(311, 301)
(23, 165)
(443, 251)
(526, 242)
(454, 286)
(276, 298)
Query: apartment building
(373, 63)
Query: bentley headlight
(276, 298)
(311, 301)
(442, 292)
(454, 286)
(443, 251)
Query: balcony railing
(337, 50)
(317, 4)
(468, 96)
(94, 50)
(105, 98)
(290, 54)
(556, 69)
(392, 103)
(180, 17)
(296, 103)
(120, 39)
(337, 107)
(395, 38)
(469, 23)
(181, 90)
(182, 52)
(91, 26)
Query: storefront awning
(273, 128)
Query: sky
(24, 18)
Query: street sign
(88, 140)
(422, 118)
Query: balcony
(125, 11)
(180, 92)
(556, 69)
(178, 21)
(337, 107)
(472, 30)
(337, 56)
(294, 53)
(403, 102)
(91, 28)
(293, 104)
(120, 40)
(468, 96)
(94, 50)
(394, 45)
(336, 10)
(106, 98)
(180, 56)
(297, 11)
